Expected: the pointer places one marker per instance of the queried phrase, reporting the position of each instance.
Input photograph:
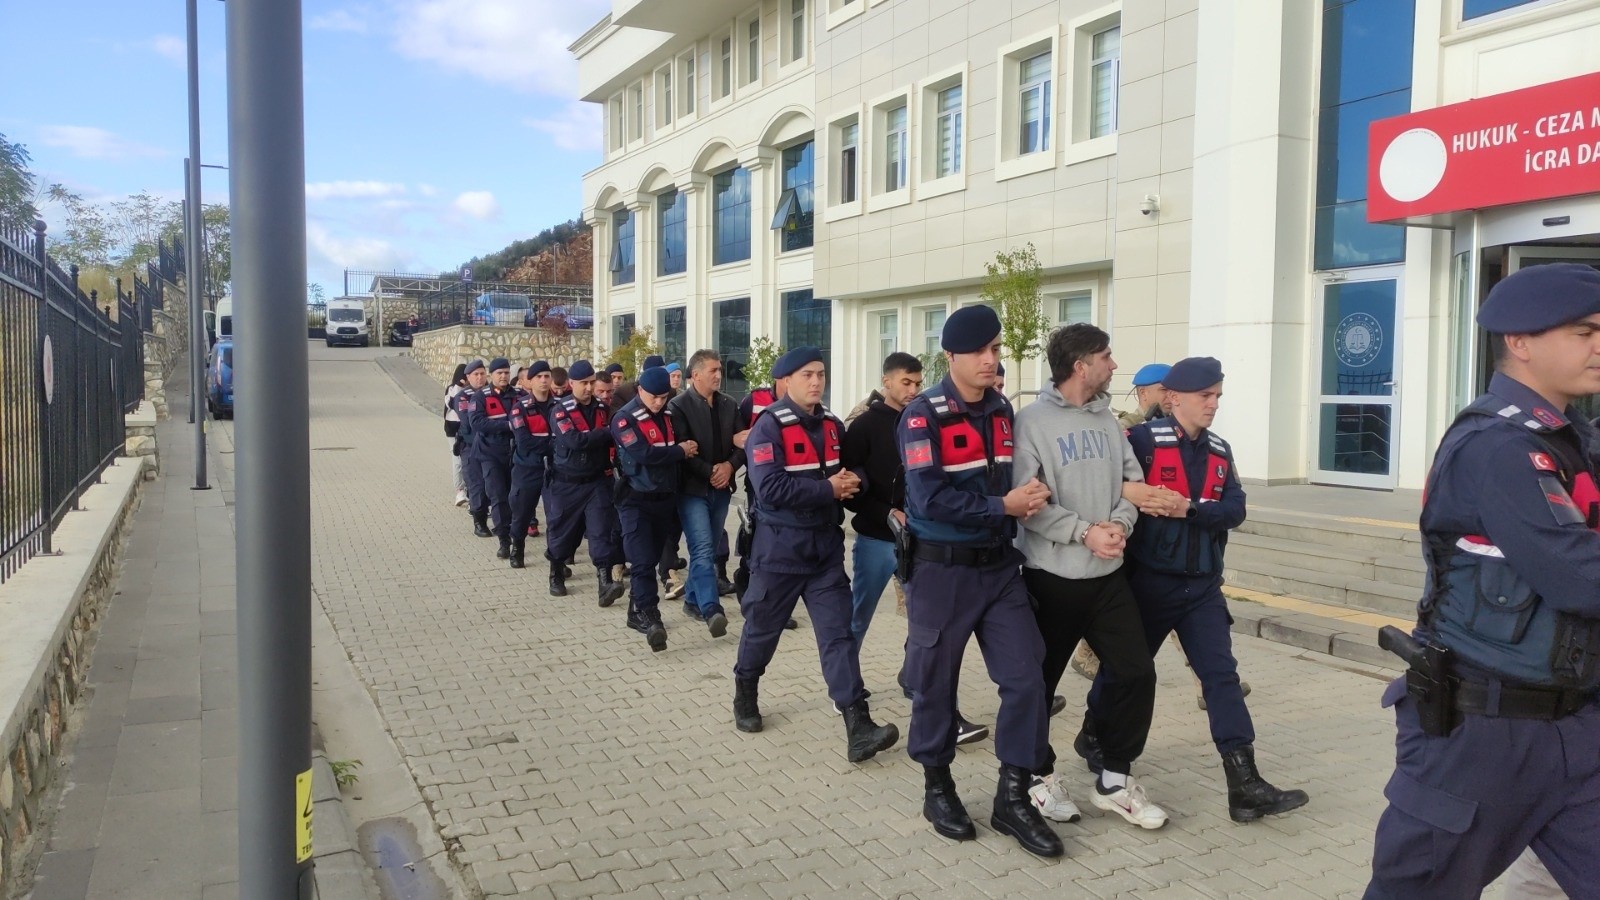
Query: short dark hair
(700, 358)
(558, 375)
(1071, 345)
(900, 361)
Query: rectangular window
(621, 247)
(888, 334)
(753, 51)
(1075, 308)
(849, 164)
(672, 334)
(896, 147)
(932, 330)
(1107, 58)
(730, 216)
(672, 239)
(731, 339)
(1033, 104)
(1472, 9)
(636, 121)
(948, 126)
(664, 108)
(808, 322)
(621, 329)
(797, 30)
(794, 215)
(689, 89)
(725, 83)
(616, 124)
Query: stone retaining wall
(166, 345)
(438, 352)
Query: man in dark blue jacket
(465, 403)
(798, 478)
(491, 426)
(648, 457)
(578, 500)
(531, 433)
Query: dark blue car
(219, 380)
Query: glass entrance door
(1356, 418)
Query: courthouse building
(1195, 178)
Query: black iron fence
(70, 371)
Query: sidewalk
(149, 806)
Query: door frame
(1318, 475)
(1519, 255)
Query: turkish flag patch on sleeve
(916, 422)
(919, 454)
(1543, 462)
(629, 438)
(762, 454)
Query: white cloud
(89, 142)
(356, 20)
(171, 47)
(350, 190)
(519, 43)
(356, 252)
(477, 204)
(575, 127)
(427, 190)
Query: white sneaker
(1131, 804)
(1051, 799)
(461, 498)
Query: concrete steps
(1360, 564)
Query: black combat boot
(558, 580)
(480, 524)
(656, 633)
(1249, 795)
(518, 546)
(724, 585)
(637, 620)
(746, 714)
(610, 588)
(941, 805)
(505, 547)
(866, 737)
(1087, 745)
(1015, 814)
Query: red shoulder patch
(916, 422)
(762, 454)
(1543, 462)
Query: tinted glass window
(1342, 145)
(1366, 49)
(1345, 238)
(673, 326)
(808, 322)
(731, 340)
(730, 223)
(622, 252)
(671, 213)
(227, 355)
(1471, 9)
(798, 169)
(344, 315)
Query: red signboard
(1532, 144)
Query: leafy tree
(494, 266)
(314, 294)
(16, 186)
(1011, 286)
(763, 356)
(934, 367)
(85, 239)
(632, 352)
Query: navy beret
(582, 370)
(1195, 373)
(613, 369)
(794, 360)
(970, 329)
(1000, 369)
(539, 367)
(473, 366)
(654, 361)
(1539, 298)
(1151, 373)
(498, 363)
(655, 380)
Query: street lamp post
(192, 272)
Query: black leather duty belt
(951, 555)
(1519, 702)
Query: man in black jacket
(708, 417)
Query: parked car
(400, 333)
(501, 309)
(575, 318)
(219, 380)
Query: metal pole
(45, 354)
(266, 175)
(195, 291)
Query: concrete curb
(1352, 641)
(341, 873)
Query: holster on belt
(905, 546)
(747, 531)
(620, 490)
(1430, 680)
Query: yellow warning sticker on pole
(302, 817)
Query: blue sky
(436, 130)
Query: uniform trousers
(497, 487)
(1102, 611)
(646, 521)
(946, 605)
(527, 483)
(579, 510)
(768, 604)
(1463, 807)
(472, 472)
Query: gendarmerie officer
(1498, 743)
(965, 578)
(578, 500)
(648, 456)
(1190, 500)
(467, 401)
(531, 433)
(491, 427)
(794, 458)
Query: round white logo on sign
(49, 371)
(1358, 340)
(1413, 165)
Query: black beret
(970, 329)
(498, 363)
(654, 361)
(1000, 369)
(473, 366)
(1194, 373)
(613, 369)
(655, 380)
(539, 367)
(1539, 298)
(791, 362)
(582, 370)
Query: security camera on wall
(1150, 205)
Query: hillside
(562, 255)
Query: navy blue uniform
(533, 445)
(647, 463)
(957, 460)
(491, 427)
(1511, 529)
(465, 403)
(1175, 570)
(578, 494)
(798, 549)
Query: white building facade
(1188, 201)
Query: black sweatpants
(1103, 612)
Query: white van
(347, 322)
(222, 327)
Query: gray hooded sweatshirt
(1082, 455)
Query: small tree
(763, 356)
(935, 365)
(314, 294)
(630, 354)
(1011, 286)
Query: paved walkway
(564, 759)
